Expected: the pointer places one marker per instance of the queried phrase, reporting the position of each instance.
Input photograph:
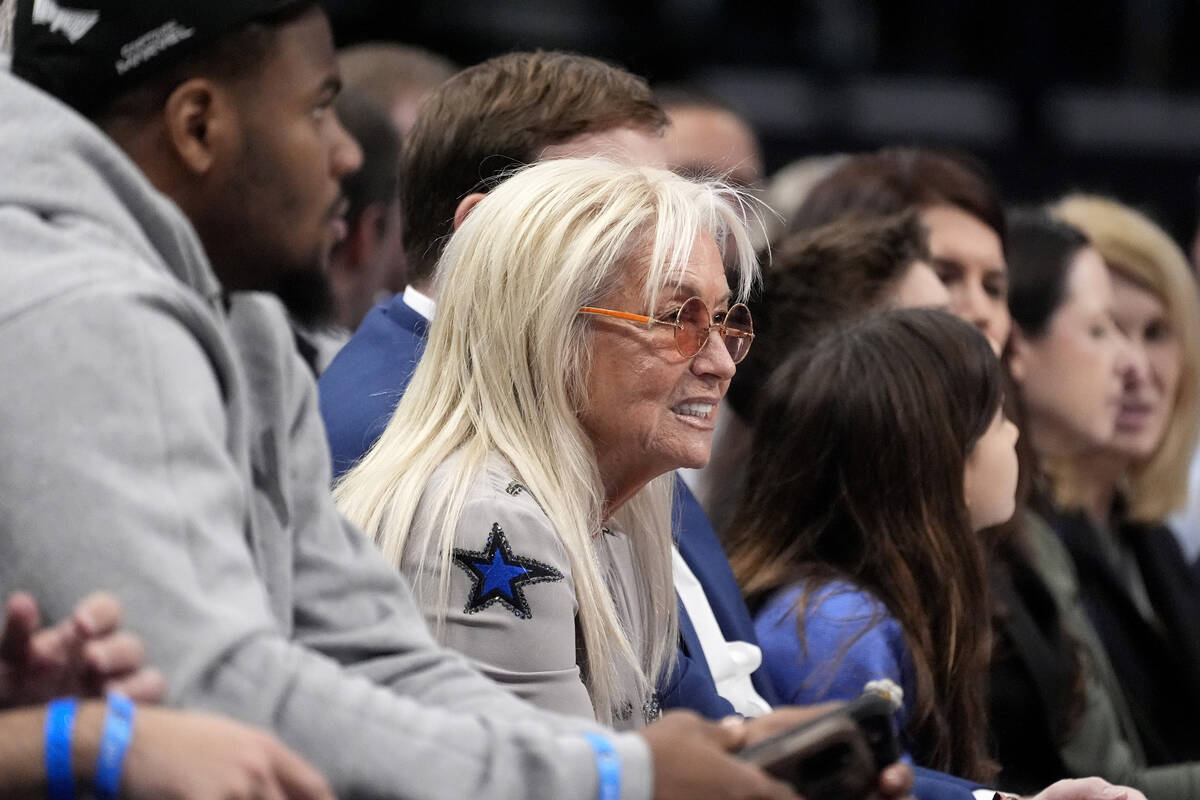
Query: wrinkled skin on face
(649, 410)
(1151, 383)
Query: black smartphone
(836, 755)
(876, 719)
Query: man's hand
(693, 761)
(84, 655)
(782, 719)
(895, 781)
(180, 755)
(1088, 789)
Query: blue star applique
(498, 576)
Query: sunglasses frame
(678, 325)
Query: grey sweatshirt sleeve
(123, 470)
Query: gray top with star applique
(511, 605)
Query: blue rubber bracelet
(608, 766)
(118, 730)
(60, 724)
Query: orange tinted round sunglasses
(693, 325)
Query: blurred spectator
(1111, 499)
(959, 206)
(1157, 307)
(395, 79)
(360, 264)
(788, 188)
(708, 138)
(365, 255)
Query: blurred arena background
(1052, 96)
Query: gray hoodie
(168, 448)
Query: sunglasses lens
(738, 320)
(693, 327)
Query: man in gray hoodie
(160, 432)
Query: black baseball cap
(86, 52)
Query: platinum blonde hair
(504, 369)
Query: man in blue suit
(737, 657)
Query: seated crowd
(603, 478)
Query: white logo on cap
(73, 23)
(148, 45)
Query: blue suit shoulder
(702, 551)
(363, 383)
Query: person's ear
(465, 206)
(202, 125)
(363, 239)
(1018, 354)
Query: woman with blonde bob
(585, 334)
(1111, 501)
(1154, 445)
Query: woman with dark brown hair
(957, 203)
(816, 280)
(879, 455)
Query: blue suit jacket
(930, 785)
(700, 548)
(363, 383)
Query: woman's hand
(86, 654)
(181, 755)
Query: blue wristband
(608, 766)
(60, 724)
(118, 729)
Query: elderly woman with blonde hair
(584, 338)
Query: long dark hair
(860, 452)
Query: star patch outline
(499, 576)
